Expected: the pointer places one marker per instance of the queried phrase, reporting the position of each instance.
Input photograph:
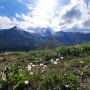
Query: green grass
(70, 72)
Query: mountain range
(17, 39)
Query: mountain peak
(15, 28)
(43, 31)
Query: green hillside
(63, 68)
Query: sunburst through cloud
(57, 14)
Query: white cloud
(37, 16)
(89, 7)
(30, 6)
(75, 14)
(17, 15)
(5, 22)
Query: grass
(64, 68)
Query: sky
(60, 15)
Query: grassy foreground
(64, 68)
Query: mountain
(17, 39)
(70, 38)
(41, 31)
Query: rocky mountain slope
(17, 39)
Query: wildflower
(55, 62)
(81, 62)
(66, 86)
(65, 74)
(57, 59)
(30, 63)
(61, 57)
(52, 60)
(86, 67)
(81, 49)
(41, 64)
(29, 67)
(33, 65)
(44, 66)
(31, 73)
(72, 49)
(6, 53)
(3, 76)
(26, 82)
(4, 79)
(36, 61)
(40, 59)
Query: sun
(47, 5)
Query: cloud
(89, 7)
(5, 22)
(73, 16)
(87, 24)
(37, 17)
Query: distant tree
(50, 43)
(53, 43)
(77, 42)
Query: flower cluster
(57, 60)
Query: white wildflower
(72, 49)
(55, 62)
(4, 77)
(57, 59)
(6, 53)
(30, 63)
(81, 49)
(29, 67)
(36, 61)
(66, 86)
(26, 82)
(45, 66)
(40, 59)
(81, 62)
(41, 64)
(65, 74)
(33, 65)
(86, 67)
(52, 60)
(31, 73)
(61, 57)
